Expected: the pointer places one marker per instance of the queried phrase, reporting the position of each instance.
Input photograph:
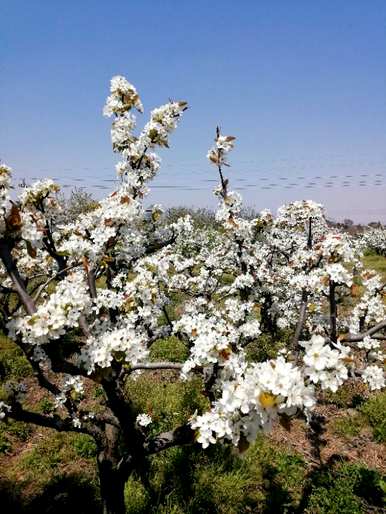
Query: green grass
(350, 394)
(13, 364)
(350, 426)
(169, 349)
(60, 469)
(265, 479)
(12, 433)
(375, 412)
(45, 406)
(84, 446)
(345, 489)
(266, 346)
(51, 452)
(219, 480)
(369, 414)
(377, 263)
(169, 403)
(58, 473)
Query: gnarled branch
(359, 337)
(181, 435)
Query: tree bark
(112, 487)
(112, 477)
(333, 311)
(301, 320)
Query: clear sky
(300, 83)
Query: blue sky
(302, 85)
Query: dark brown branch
(10, 266)
(309, 238)
(49, 245)
(302, 318)
(119, 405)
(360, 337)
(60, 365)
(91, 280)
(167, 317)
(84, 326)
(159, 245)
(56, 422)
(182, 435)
(42, 379)
(40, 376)
(333, 310)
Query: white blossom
(4, 409)
(144, 420)
(374, 376)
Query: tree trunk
(112, 487)
(112, 476)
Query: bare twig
(56, 422)
(302, 318)
(156, 365)
(91, 280)
(360, 337)
(51, 279)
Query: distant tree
(375, 224)
(79, 202)
(201, 217)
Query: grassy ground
(377, 263)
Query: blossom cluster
(222, 145)
(71, 383)
(123, 97)
(325, 364)
(371, 307)
(374, 376)
(5, 184)
(55, 315)
(252, 401)
(107, 344)
(39, 194)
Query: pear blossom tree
(375, 239)
(84, 301)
